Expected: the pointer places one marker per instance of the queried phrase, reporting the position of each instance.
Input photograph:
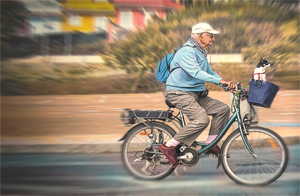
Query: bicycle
(250, 155)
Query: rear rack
(148, 114)
(129, 117)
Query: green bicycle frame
(236, 116)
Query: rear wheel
(268, 164)
(142, 161)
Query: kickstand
(219, 162)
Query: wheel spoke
(260, 169)
(243, 150)
(248, 166)
(148, 167)
(269, 163)
(139, 144)
(241, 165)
(266, 165)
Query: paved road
(86, 119)
(104, 174)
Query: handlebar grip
(225, 85)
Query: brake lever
(232, 90)
(225, 86)
(226, 89)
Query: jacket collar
(198, 46)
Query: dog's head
(263, 63)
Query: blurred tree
(13, 16)
(188, 3)
(285, 4)
(255, 30)
(194, 3)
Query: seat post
(182, 118)
(169, 104)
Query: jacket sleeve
(191, 66)
(211, 72)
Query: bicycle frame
(236, 116)
(147, 160)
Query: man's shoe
(215, 150)
(170, 153)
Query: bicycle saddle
(169, 104)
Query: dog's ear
(259, 64)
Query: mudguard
(142, 124)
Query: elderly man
(185, 89)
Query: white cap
(203, 27)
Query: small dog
(259, 72)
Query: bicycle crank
(188, 157)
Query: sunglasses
(210, 35)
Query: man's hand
(230, 85)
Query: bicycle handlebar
(224, 85)
(243, 92)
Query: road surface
(104, 174)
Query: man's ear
(200, 36)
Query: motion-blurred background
(113, 46)
(83, 54)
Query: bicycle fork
(244, 133)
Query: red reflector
(144, 133)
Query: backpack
(163, 67)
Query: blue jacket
(194, 70)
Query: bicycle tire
(129, 149)
(272, 154)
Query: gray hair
(194, 35)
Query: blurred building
(42, 17)
(115, 17)
(66, 26)
(136, 14)
(86, 16)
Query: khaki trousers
(197, 110)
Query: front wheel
(142, 161)
(268, 163)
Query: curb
(114, 147)
(63, 148)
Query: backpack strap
(184, 46)
(169, 67)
